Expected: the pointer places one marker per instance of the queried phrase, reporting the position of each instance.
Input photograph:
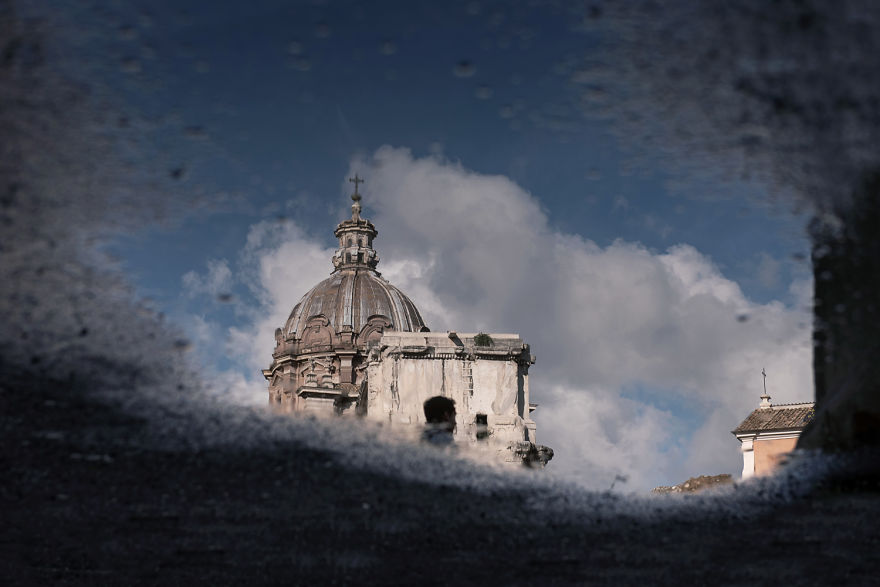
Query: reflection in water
(122, 466)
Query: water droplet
(821, 251)
(464, 68)
(301, 64)
(322, 30)
(130, 65)
(483, 92)
(195, 132)
(127, 33)
(181, 344)
(388, 48)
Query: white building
(356, 346)
(769, 433)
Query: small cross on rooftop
(355, 180)
(765, 399)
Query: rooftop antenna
(765, 399)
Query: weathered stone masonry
(355, 345)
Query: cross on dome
(356, 207)
(355, 180)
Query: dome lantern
(355, 238)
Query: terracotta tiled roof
(781, 417)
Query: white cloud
(280, 264)
(599, 319)
(801, 291)
(600, 436)
(217, 280)
(476, 252)
(768, 271)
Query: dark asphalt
(91, 496)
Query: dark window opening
(482, 423)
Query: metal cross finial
(765, 399)
(355, 180)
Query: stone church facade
(356, 346)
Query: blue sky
(264, 109)
(274, 132)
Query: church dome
(351, 297)
(355, 298)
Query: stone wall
(492, 380)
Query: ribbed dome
(355, 293)
(351, 297)
(321, 355)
